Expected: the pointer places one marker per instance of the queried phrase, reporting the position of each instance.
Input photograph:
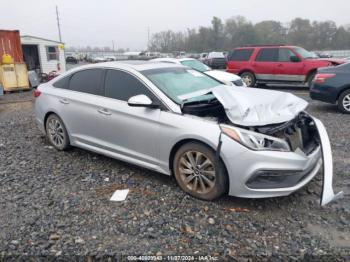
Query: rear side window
(62, 83)
(120, 85)
(267, 55)
(87, 81)
(240, 55)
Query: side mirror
(141, 101)
(294, 59)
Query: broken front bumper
(244, 165)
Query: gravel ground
(57, 204)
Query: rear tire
(199, 173)
(56, 132)
(248, 78)
(344, 102)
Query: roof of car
(170, 59)
(264, 46)
(137, 65)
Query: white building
(43, 55)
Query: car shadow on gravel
(148, 174)
(142, 177)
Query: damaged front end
(303, 135)
(262, 121)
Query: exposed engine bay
(299, 132)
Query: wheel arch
(50, 112)
(182, 142)
(246, 70)
(343, 89)
(310, 73)
(47, 116)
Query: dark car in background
(332, 85)
(216, 60)
(71, 60)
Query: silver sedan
(214, 139)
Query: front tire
(56, 132)
(199, 173)
(344, 102)
(249, 79)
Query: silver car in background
(222, 76)
(213, 138)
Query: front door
(129, 131)
(286, 68)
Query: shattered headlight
(253, 140)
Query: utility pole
(113, 45)
(148, 34)
(58, 24)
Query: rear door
(129, 131)
(287, 69)
(265, 64)
(238, 59)
(79, 104)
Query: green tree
(217, 40)
(300, 33)
(270, 32)
(239, 32)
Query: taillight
(321, 78)
(36, 93)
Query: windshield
(304, 53)
(195, 64)
(181, 84)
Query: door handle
(64, 101)
(104, 111)
(280, 65)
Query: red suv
(276, 64)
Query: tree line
(238, 31)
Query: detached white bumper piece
(327, 191)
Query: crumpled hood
(257, 107)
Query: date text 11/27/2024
(173, 258)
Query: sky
(126, 22)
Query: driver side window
(284, 55)
(121, 85)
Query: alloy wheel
(56, 132)
(247, 80)
(197, 171)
